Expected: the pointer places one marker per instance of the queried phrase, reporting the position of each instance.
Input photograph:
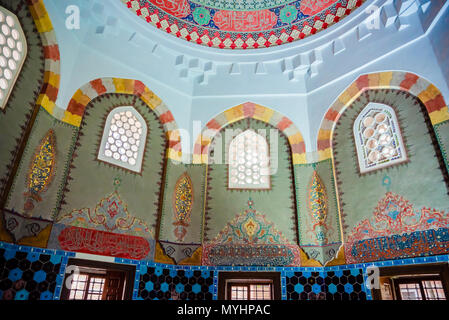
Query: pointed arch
(424, 90)
(83, 96)
(250, 110)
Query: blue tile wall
(346, 284)
(33, 273)
(156, 282)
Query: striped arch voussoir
(50, 89)
(77, 105)
(429, 95)
(251, 111)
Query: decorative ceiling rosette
(182, 205)
(41, 172)
(235, 24)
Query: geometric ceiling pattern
(242, 24)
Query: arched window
(249, 160)
(124, 137)
(13, 50)
(378, 138)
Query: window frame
(360, 148)
(419, 280)
(138, 167)
(245, 187)
(19, 65)
(88, 282)
(434, 270)
(247, 284)
(129, 272)
(226, 278)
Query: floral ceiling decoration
(248, 24)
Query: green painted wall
(420, 180)
(15, 117)
(92, 180)
(197, 175)
(278, 204)
(325, 249)
(442, 134)
(65, 138)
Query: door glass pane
(260, 292)
(239, 293)
(96, 286)
(79, 285)
(410, 291)
(433, 290)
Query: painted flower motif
(201, 15)
(386, 182)
(288, 14)
(117, 182)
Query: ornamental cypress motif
(183, 198)
(41, 172)
(182, 205)
(317, 200)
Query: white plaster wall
(300, 80)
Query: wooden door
(113, 288)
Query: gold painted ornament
(41, 172)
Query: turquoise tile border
(140, 265)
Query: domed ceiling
(242, 24)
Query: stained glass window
(124, 137)
(378, 138)
(249, 161)
(13, 50)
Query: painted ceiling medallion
(235, 24)
(41, 171)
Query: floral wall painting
(111, 215)
(182, 206)
(41, 172)
(250, 239)
(397, 230)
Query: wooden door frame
(128, 270)
(225, 277)
(438, 269)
